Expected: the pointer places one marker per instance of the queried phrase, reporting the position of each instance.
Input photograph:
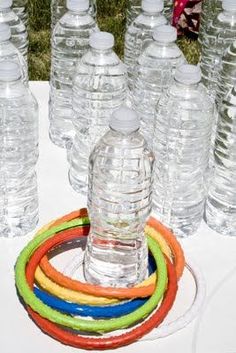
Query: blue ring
(109, 311)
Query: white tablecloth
(215, 254)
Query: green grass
(111, 18)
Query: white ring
(184, 320)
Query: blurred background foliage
(111, 18)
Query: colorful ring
(80, 324)
(143, 289)
(87, 342)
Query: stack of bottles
(18, 125)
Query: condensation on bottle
(139, 33)
(19, 35)
(220, 34)
(70, 40)
(100, 87)
(181, 147)
(119, 204)
(58, 9)
(9, 52)
(19, 153)
(154, 73)
(220, 210)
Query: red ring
(86, 342)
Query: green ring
(99, 326)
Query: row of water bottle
(89, 85)
(218, 63)
(18, 125)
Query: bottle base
(60, 139)
(80, 186)
(220, 218)
(13, 231)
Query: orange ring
(173, 243)
(110, 292)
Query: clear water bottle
(139, 33)
(210, 9)
(58, 9)
(220, 34)
(134, 9)
(153, 74)
(19, 36)
(8, 51)
(227, 74)
(181, 146)
(100, 87)
(20, 8)
(70, 40)
(220, 210)
(19, 153)
(119, 203)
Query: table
(215, 254)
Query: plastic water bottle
(154, 73)
(227, 74)
(134, 9)
(9, 52)
(140, 32)
(119, 203)
(100, 87)
(220, 34)
(20, 8)
(210, 9)
(19, 153)
(181, 146)
(220, 210)
(19, 36)
(70, 41)
(58, 9)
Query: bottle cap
(9, 71)
(165, 34)
(101, 40)
(188, 74)
(229, 5)
(77, 5)
(124, 120)
(152, 5)
(5, 4)
(5, 32)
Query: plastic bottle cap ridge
(152, 5)
(9, 71)
(5, 4)
(165, 34)
(5, 32)
(101, 40)
(124, 120)
(188, 74)
(77, 5)
(229, 5)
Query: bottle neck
(151, 14)
(185, 88)
(101, 51)
(78, 13)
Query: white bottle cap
(5, 32)
(77, 5)
(5, 4)
(9, 71)
(124, 120)
(188, 74)
(101, 40)
(152, 6)
(165, 34)
(229, 5)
